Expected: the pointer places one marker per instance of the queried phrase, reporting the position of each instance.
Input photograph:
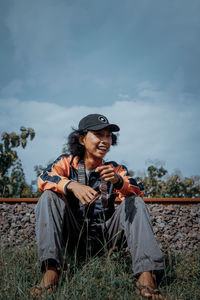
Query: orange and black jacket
(65, 168)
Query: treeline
(156, 180)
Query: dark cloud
(100, 47)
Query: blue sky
(137, 62)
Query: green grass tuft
(108, 276)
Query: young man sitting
(76, 211)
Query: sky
(134, 61)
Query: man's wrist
(67, 187)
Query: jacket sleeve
(55, 176)
(128, 185)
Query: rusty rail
(163, 201)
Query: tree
(18, 182)
(158, 183)
(9, 158)
(176, 186)
(154, 186)
(38, 169)
(192, 186)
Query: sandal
(43, 290)
(146, 291)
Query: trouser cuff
(146, 265)
(50, 263)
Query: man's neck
(91, 164)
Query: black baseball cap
(96, 122)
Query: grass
(101, 277)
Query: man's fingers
(110, 176)
(107, 174)
(106, 178)
(85, 194)
(99, 169)
(94, 193)
(95, 198)
(103, 170)
(90, 196)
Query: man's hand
(84, 193)
(107, 173)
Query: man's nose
(105, 139)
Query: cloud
(164, 130)
(41, 37)
(123, 96)
(59, 45)
(73, 52)
(14, 87)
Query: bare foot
(146, 286)
(48, 282)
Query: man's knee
(140, 204)
(47, 194)
(47, 199)
(133, 204)
(134, 199)
(139, 201)
(130, 208)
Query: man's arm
(55, 176)
(119, 176)
(84, 193)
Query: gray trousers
(56, 226)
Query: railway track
(162, 201)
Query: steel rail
(163, 201)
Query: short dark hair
(75, 148)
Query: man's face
(97, 143)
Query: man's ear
(81, 140)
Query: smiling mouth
(102, 148)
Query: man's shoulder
(65, 156)
(115, 164)
(112, 162)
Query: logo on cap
(102, 119)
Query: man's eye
(100, 135)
